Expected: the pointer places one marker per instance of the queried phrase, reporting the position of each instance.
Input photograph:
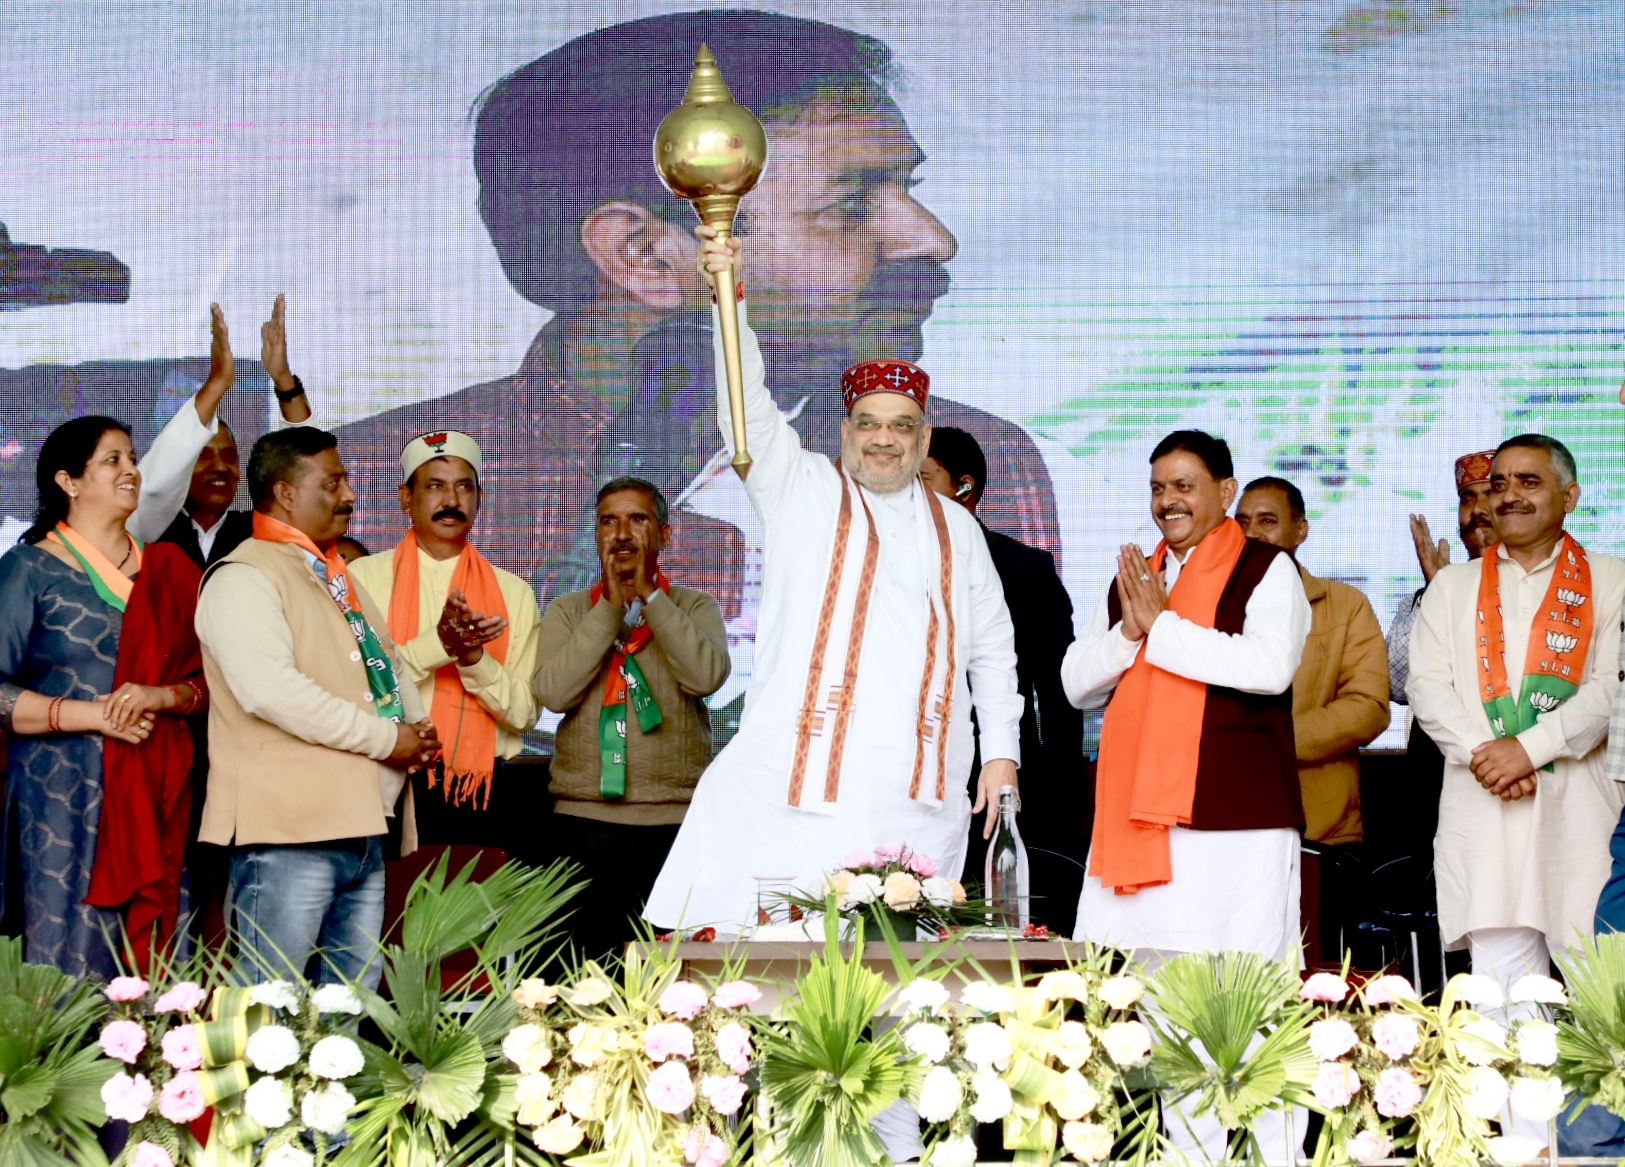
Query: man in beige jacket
(310, 732)
(1340, 691)
(629, 662)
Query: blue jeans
(288, 902)
(1611, 904)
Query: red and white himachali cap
(440, 444)
(884, 376)
(1471, 468)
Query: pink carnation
(182, 1098)
(183, 998)
(670, 1089)
(668, 1039)
(1397, 1093)
(181, 1048)
(889, 852)
(1324, 987)
(683, 1000)
(715, 1153)
(694, 1143)
(1396, 1035)
(1336, 1085)
(125, 1098)
(150, 1155)
(1389, 989)
(1331, 1039)
(123, 1040)
(723, 1093)
(733, 1047)
(126, 989)
(922, 865)
(1368, 1146)
(860, 859)
(736, 995)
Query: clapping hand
(464, 632)
(1430, 558)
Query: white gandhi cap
(440, 444)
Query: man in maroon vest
(1198, 812)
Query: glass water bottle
(1007, 878)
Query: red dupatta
(146, 789)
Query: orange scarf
(111, 584)
(1151, 737)
(468, 732)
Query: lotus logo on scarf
(1500, 729)
(1558, 642)
(1570, 598)
(1544, 702)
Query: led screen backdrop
(1356, 239)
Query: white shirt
(740, 824)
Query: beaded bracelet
(190, 705)
(53, 715)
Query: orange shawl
(467, 730)
(1152, 733)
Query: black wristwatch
(287, 395)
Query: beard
(906, 470)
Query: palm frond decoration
(827, 1070)
(51, 1071)
(1591, 1037)
(433, 1091)
(1207, 1010)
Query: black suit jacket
(1056, 798)
(236, 527)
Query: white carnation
(1062, 985)
(276, 994)
(865, 888)
(939, 893)
(940, 1095)
(1537, 1099)
(1488, 1031)
(1071, 1044)
(1479, 991)
(987, 1045)
(336, 999)
(1486, 1092)
(1121, 992)
(957, 1151)
(987, 997)
(993, 1100)
(326, 1108)
(336, 1057)
(1088, 1142)
(1537, 1043)
(1127, 1042)
(288, 1155)
(1537, 990)
(269, 1102)
(589, 992)
(922, 995)
(1075, 1098)
(272, 1049)
(924, 1040)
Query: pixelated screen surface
(1356, 239)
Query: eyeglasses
(902, 427)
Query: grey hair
(631, 482)
(1562, 460)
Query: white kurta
(740, 824)
(1230, 889)
(1538, 862)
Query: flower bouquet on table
(636, 1069)
(898, 891)
(1232, 1041)
(271, 1060)
(1050, 1061)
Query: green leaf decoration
(1591, 1038)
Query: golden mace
(711, 152)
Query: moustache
(1477, 522)
(1514, 508)
(344, 508)
(622, 546)
(448, 513)
(1174, 513)
(907, 285)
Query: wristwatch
(287, 395)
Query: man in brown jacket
(310, 731)
(1340, 691)
(629, 662)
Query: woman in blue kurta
(62, 594)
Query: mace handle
(728, 314)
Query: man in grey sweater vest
(629, 662)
